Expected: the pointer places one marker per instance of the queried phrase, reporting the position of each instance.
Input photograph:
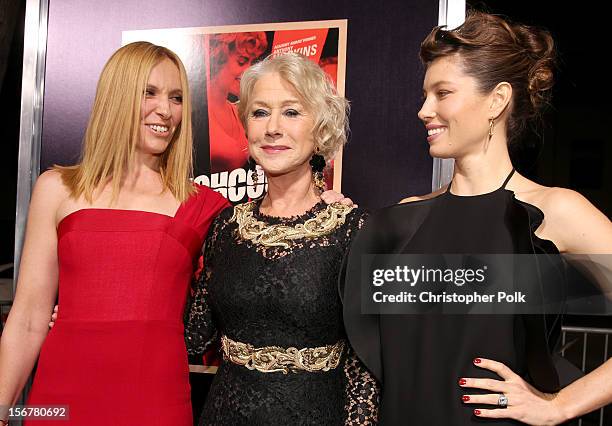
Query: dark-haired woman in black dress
(485, 82)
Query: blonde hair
(314, 87)
(113, 130)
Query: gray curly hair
(316, 90)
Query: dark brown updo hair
(493, 50)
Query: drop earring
(317, 164)
(252, 166)
(490, 135)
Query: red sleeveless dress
(116, 355)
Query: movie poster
(215, 58)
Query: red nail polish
(465, 398)
(462, 382)
(477, 412)
(477, 360)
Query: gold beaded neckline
(280, 235)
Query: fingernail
(477, 412)
(477, 360)
(462, 382)
(465, 398)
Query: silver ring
(502, 401)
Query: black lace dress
(278, 290)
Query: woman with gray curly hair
(268, 290)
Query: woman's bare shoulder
(570, 220)
(553, 201)
(51, 184)
(49, 192)
(424, 197)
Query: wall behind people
(387, 155)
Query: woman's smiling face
(455, 113)
(279, 127)
(162, 108)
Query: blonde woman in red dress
(116, 237)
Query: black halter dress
(420, 358)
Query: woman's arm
(574, 224)
(528, 405)
(200, 329)
(362, 393)
(587, 393)
(576, 227)
(27, 324)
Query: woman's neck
(481, 172)
(290, 194)
(143, 172)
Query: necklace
(279, 235)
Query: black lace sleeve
(362, 393)
(362, 388)
(200, 330)
(354, 223)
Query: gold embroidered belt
(273, 359)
